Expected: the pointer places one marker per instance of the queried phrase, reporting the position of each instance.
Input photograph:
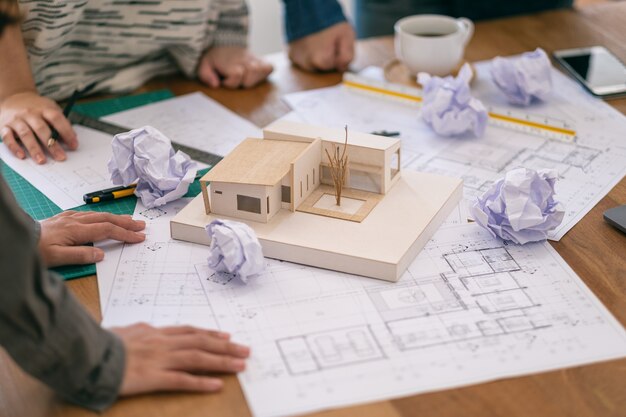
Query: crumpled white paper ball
(520, 207)
(234, 249)
(448, 106)
(145, 156)
(523, 78)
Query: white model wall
(225, 204)
(306, 172)
(274, 194)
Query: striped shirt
(120, 44)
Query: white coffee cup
(432, 43)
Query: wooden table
(595, 251)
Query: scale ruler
(515, 120)
(112, 129)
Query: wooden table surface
(592, 248)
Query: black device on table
(616, 217)
(596, 68)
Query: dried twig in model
(338, 167)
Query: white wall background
(266, 25)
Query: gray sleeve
(44, 328)
(232, 23)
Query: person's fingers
(208, 75)
(133, 330)
(43, 132)
(208, 343)
(200, 361)
(126, 222)
(8, 138)
(68, 213)
(324, 59)
(182, 381)
(256, 72)
(28, 139)
(233, 76)
(178, 330)
(73, 255)
(345, 52)
(251, 74)
(58, 121)
(94, 232)
(299, 59)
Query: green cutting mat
(39, 207)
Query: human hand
(173, 358)
(328, 49)
(25, 122)
(232, 67)
(63, 235)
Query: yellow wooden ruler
(516, 120)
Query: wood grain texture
(593, 249)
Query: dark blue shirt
(304, 17)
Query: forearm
(16, 75)
(43, 327)
(305, 17)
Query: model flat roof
(257, 161)
(286, 130)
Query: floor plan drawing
(65, 182)
(469, 309)
(330, 349)
(589, 165)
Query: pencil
(68, 109)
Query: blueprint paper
(523, 78)
(192, 120)
(234, 249)
(105, 269)
(520, 207)
(157, 220)
(145, 156)
(589, 167)
(65, 183)
(469, 309)
(448, 106)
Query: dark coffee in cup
(429, 34)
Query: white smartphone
(601, 72)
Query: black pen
(68, 109)
(386, 133)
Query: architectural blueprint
(84, 171)
(193, 120)
(589, 166)
(157, 230)
(469, 309)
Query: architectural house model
(281, 186)
(262, 176)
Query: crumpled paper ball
(448, 106)
(145, 156)
(234, 249)
(520, 207)
(523, 78)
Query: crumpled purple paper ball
(523, 78)
(448, 106)
(234, 249)
(145, 156)
(520, 207)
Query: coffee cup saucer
(396, 72)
